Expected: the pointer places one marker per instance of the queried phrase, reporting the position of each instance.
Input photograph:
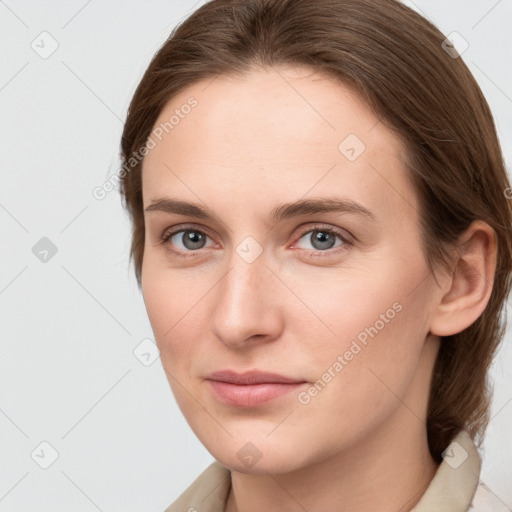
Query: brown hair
(396, 61)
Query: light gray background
(69, 326)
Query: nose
(247, 304)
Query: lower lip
(251, 395)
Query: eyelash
(347, 241)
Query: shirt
(454, 488)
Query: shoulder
(207, 493)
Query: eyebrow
(281, 212)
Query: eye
(322, 239)
(185, 240)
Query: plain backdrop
(87, 421)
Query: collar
(451, 490)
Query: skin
(252, 143)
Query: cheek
(364, 372)
(372, 330)
(170, 306)
(174, 312)
(345, 305)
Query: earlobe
(468, 290)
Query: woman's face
(337, 299)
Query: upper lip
(250, 377)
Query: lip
(251, 377)
(252, 388)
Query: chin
(260, 456)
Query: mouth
(251, 389)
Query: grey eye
(321, 239)
(190, 239)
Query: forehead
(286, 130)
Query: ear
(466, 293)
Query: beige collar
(451, 490)
(456, 479)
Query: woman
(321, 234)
